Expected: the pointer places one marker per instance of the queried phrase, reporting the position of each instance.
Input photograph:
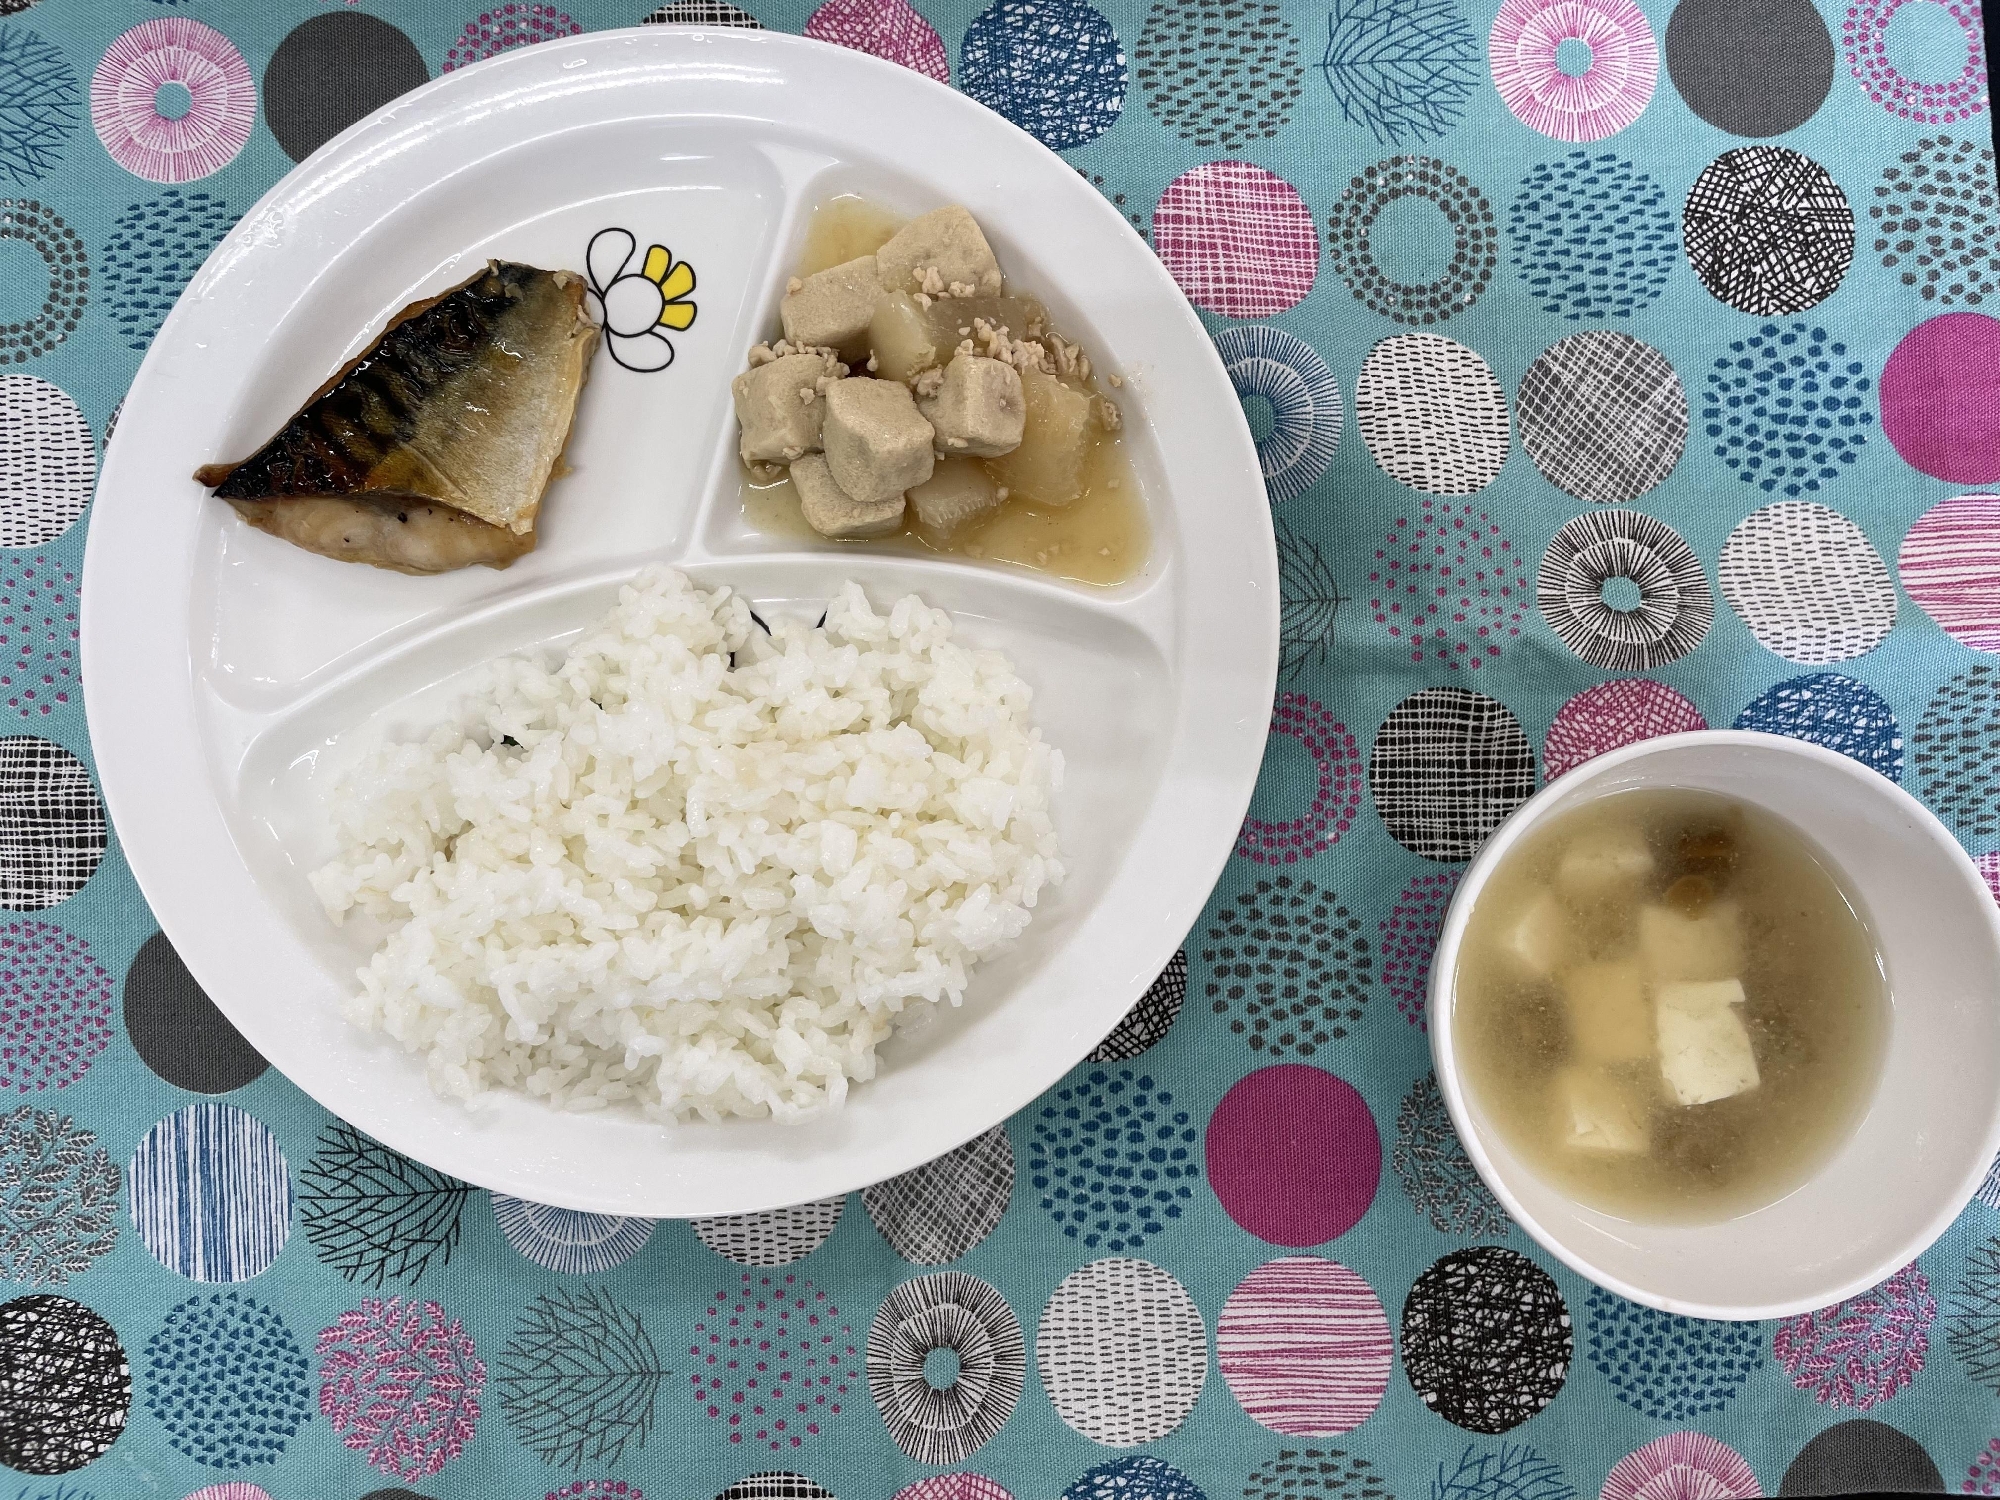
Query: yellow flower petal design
(677, 315)
(658, 258)
(677, 283)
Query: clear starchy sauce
(1593, 1004)
(1102, 537)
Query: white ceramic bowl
(1931, 1129)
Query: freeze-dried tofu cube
(1600, 1112)
(831, 511)
(1707, 945)
(877, 442)
(958, 493)
(1055, 442)
(978, 410)
(1608, 1019)
(1606, 861)
(834, 306)
(779, 408)
(1537, 937)
(1705, 1051)
(947, 241)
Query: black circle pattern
(176, 1029)
(1936, 222)
(949, 1310)
(938, 1211)
(703, 13)
(1603, 416)
(1486, 1339)
(1151, 1018)
(1768, 230)
(1675, 605)
(1317, 1474)
(52, 827)
(1447, 767)
(332, 70)
(1957, 753)
(776, 1485)
(1475, 239)
(1288, 965)
(65, 1385)
(1750, 67)
(1860, 1456)
(1219, 72)
(62, 253)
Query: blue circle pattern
(1825, 708)
(154, 250)
(567, 1239)
(211, 1193)
(1786, 408)
(1305, 403)
(41, 103)
(228, 1381)
(1113, 1159)
(1594, 237)
(1140, 1477)
(1053, 67)
(1667, 1367)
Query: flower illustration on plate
(638, 303)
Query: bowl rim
(1443, 1053)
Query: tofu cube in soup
(903, 338)
(1705, 1051)
(978, 411)
(1675, 946)
(1604, 863)
(947, 241)
(1608, 1018)
(877, 442)
(1600, 1112)
(779, 408)
(834, 306)
(1056, 438)
(1537, 937)
(958, 493)
(831, 511)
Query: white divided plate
(230, 677)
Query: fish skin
(466, 401)
(402, 536)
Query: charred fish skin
(466, 401)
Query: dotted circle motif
(517, 23)
(1239, 240)
(1219, 72)
(1122, 1352)
(53, 831)
(772, 1360)
(65, 1385)
(773, 1236)
(969, 1317)
(227, 1380)
(1837, 712)
(1447, 767)
(1808, 583)
(1865, 36)
(1603, 416)
(43, 231)
(1432, 413)
(940, 1210)
(1304, 399)
(1935, 221)
(1286, 962)
(38, 604)
(1768, 230)
(1787, 409)
(1593, 236)
(212, 1194)
(55, 1007)
(1430, 1162)
(1113, 1159)
(1957, 753)
(125, 111)
(44, 105)
(58, 1198)
(1751, 67)
(1612, 714)
(1304, 1347)
(1409, 936)
(1053, 67)
(1486, 1339)
(49, 458)
(1670, 1368)
(1450, 586)
(1151, 1018)
(1324, 1472)
(154, 250)
(1675, 607)
(888, 29)
(568, 1240)
(1611, 92)
(1336, 787)
(1949, 563)
(1475, 239)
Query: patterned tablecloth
(1615, 370)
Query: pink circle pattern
(1621, 712)
(773, 1360)
(888, 29)
(1940, 397)
(597, 1489)
(55, 1007)
(1293, 1155)
(1304, 1347)
(1682, 1466)
(1238, 239)
(124, 100)
(519, 23)
(1336, 792)
(1450, 586)
(1860, 1352)
(1982, 1476)
(37, 638)
(1950, 565)
(1409, 933)
(954, 1487)
(235, 1490)
(1989, 868)
(400, 1383)
(1865, 35)
(1606, 97)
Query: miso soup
(1669, 1005)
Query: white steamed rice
(700, 889)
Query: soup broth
(1669, 1006)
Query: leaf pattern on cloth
(1860, 1352)
(58, 1198)
(400, 1383)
